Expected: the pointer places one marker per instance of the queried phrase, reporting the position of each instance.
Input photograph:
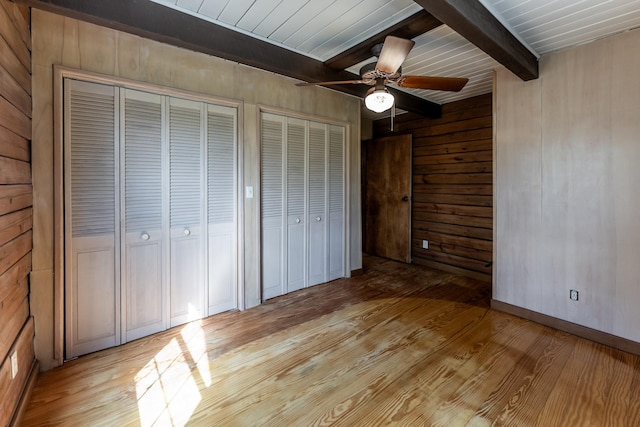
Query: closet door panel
(272, 206)
(317, 209)
(144, 252)
(92, 306)
(92, 297)
(336, 203)
(187, 285)
(144, 293)
(222, 208)
(296, 201)
(186, 149)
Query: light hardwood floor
(399, 345)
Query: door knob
(187, 231)
(145, 236)
(297, 220)
(318, 219)
(405, 199)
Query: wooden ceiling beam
(415, 25)
(157, 22)
(474, 22)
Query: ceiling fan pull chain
(393, 114)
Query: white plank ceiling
(322, 29)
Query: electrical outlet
(425, 244)
(573, 295)
(14, 364)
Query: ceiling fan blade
(338, 82)
(453, 84)
(393, 53)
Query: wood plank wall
(452, 186)
(16, 331)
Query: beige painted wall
(567, 156)
(71, 43)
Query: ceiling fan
(387, 70)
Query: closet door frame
(346, 161)
(60, 73)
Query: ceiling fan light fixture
(378, 99)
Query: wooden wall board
(14, 275)
(459, 147)
(16, 197)
(472, 189)
(14, 93)
(459, 136)
(14, 171)
(14, 66)
(458, 219)
(14, 146)
(19, 16)
(13, 36)
(15, 249)
(472, 178)
(11, 117)
(455, 168)
(485, 201)
(14, 224)
(481, 211)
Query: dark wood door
(387, 191)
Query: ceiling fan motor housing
(370, 74)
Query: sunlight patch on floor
(193, 336)
(167, 392)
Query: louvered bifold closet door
(92, 306)
(296, 202)
(186, 197)
(336, 202)
(222, 208)
(317, 207)
(145, 272)
(272, 205)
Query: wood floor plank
(399, 345)
(481, 374)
